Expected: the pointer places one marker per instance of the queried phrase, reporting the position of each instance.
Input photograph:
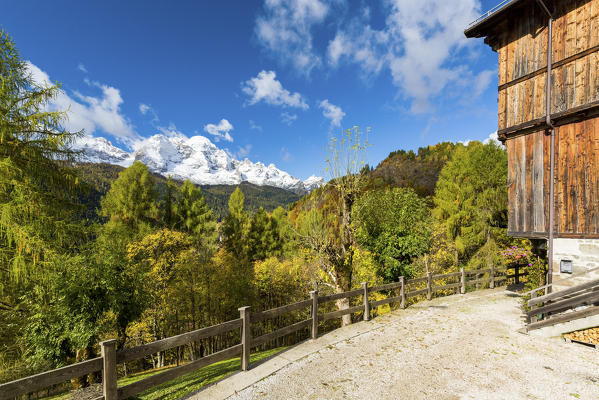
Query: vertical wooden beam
(429, 284)
(365, 300)
(463, 281)
(533, 318)
(109, 383)
(402, 292)
(314, 296)
(244, 313)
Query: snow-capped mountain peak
(195, 158)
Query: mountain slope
(196, 159)
(99, 176)
(420, 170)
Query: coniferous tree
(471, 197)
(259, 236)
(167, 206)
(235, 225)
(191, 214)
(130, 205)
(38, 231)
(132, 197)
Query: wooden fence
(455, 282)
(566, 305)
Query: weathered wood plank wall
(576, 181)
(522, 52)
(521, 43)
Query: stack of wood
(587, 335)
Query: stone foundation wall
(584, 254)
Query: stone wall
(584, 254)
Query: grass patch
(193, 381)
(186, 384)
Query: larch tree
(38, 192)
(191, 214)
(471, 197)
(130, 206)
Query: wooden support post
(463, 281)
(314, 296)
(246, 338)
(492, 277)
(402, 292)
(517, 274)
(109, 384)
(429, 286)
(365, 301)
(533, 318)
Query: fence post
(463, 281)
(109, 384)
(533, 318)
(314, 296)
(402, 292)
(429, 284)
(246, 338)
(366, 303)
(492, 282)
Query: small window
(565, 266)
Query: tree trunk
(343, 304)
(456, 259)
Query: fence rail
(563, 306)
(110, 357)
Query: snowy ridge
(195, 158)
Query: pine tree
(191, 214)
(471, 197)
(38, 230)
(132, 197)
(235, 225)
(130, 205)
(37, 185)
(167, 206)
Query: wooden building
(550, 127)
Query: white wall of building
(584, 254)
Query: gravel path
(458, 347)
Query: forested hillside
(98, 178)
(418, 171)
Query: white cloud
(220, 131)
(286, 155)
(264, 87)
(288, 118)
(91, 113)
(419, 45)
(82, 68)
(285, 30)
(144, 108)
(172, 131)
(361, 45)
(482, 81)
(492, 138)
(254, 126)
(243, 152)
(332, 112)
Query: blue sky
(283, 75)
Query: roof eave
(478, 28)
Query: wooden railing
(455, 282)
(559, 307)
